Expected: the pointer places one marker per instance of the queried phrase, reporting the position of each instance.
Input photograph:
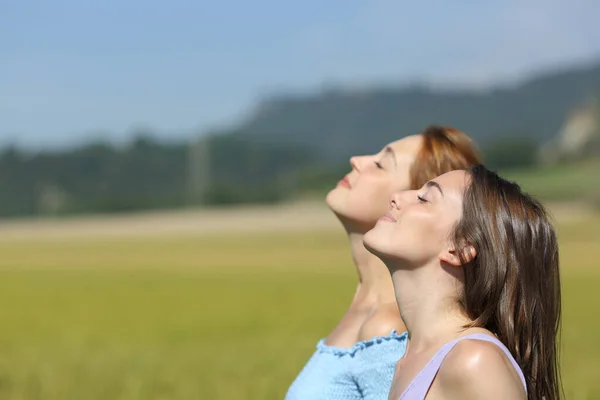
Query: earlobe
(451, 257)
(469, 253)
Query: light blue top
(363, 371)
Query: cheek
(402, 179)
(417, 237)
(372, 196)
(373, 193)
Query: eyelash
(378, 164)
(421, 199)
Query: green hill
(342, 122)
(293, 145)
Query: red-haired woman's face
(362, 196)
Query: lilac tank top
(418, 388)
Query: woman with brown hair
(357, 359)
(474, 262)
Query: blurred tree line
(291, 145)
(148, 174)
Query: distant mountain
(296, 145)
(339, 123)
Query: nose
(399, 199)
(356, 162)
(395, 201)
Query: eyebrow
(389, 150)
(435, 185)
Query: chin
(335, 201)
(371, 243)
(374, 241)
(330, 197)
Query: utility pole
(198, 170)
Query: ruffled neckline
(363, 344)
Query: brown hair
(444, 149)
(512, 287)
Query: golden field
(211, 305)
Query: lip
(344, 182)
(388, 218)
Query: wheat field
(210, 305)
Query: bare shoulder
(382, 323)
(476, 369)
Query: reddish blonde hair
(444, 149)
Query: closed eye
(421, 199)
(378, 164)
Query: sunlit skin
(359, 200)
(413, 239)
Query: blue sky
(76, 70)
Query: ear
(452, 256)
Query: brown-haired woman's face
(363, 195)
(417, 228)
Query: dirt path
(289, 217)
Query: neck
(427, 301)
(374, 282)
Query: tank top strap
(418, 388)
